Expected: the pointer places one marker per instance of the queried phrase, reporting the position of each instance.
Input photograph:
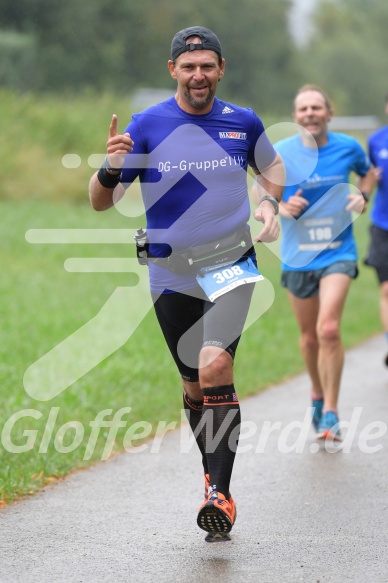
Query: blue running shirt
(378, 153)
(193, 175)
(322, 234)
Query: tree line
(70, 46)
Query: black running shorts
(378, 252)
(190, 321)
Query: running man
(319, 254)
(378, 247)
(191, 153)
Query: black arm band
(365, 196)
(108, 180)
(108, 166)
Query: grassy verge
(41, 130)
(42, 304)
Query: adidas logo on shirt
(227, 110)
(383, 154)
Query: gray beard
(199, 104)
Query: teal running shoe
(328, 427)
(317, 405)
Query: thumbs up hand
(118, 145)
(296, 203)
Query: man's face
(312, 113)
(197, 74)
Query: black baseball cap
(209, 42)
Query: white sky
(299, 19)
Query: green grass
(42, 304)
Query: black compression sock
(193, 410)
(222, 419)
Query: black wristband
(365, 196)
(108, 180)
(106, 165)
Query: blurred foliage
(67, 66)
(125, 45)
(120, 47)
(347, 54)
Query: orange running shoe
(217, 513)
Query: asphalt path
(306, 512)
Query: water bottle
(141, 246)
